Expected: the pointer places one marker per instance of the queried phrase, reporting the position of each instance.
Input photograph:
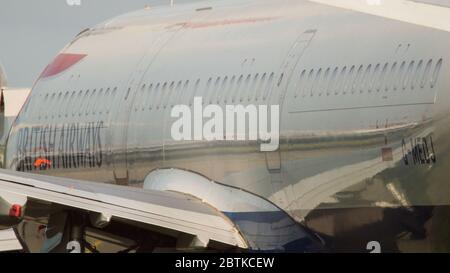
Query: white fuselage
(358, 96)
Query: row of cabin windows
(246, 88)
(215, 90)
(155, 96)
(77, 103)
(368, 78)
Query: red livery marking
(42, 163)
(15, 211)
(225, 22)
(61, 63)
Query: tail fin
(3, 82)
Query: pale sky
(33, 32)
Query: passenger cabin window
(332, 81)
(208, 89)
(52, 105)
(349, 80)
(170, 94)
(252, 87)
(195, 91)
(58, 105)
(366, 79)
(357, 79)
(161, 95)
(269, 86)
(317, 86)
(146, 101)
(71, 103)
(83, 102)
(301, 84)
(408, 75)
(215, 89)
(308, 83)
(243, 88)
(76, 104)
(246, 87)
(99, 100)
(177, 93)
(154, 96)
(44, 110)
(426, 74)
(260, 89)
(230, 89)
(436, 73)
(341, 81)
(185, 89)
(374, 78)
(416, 78)
(392, 78)
(315, 82)
(223, 92)
(237, 88)
(400, 76)
(105, 100)
(111, 100)
(91, 102)
(382, 78)
(140, 97)
(66, 107)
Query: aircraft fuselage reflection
(365, 101)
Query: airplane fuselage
(364, 105)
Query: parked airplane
(364, 148)
(11, 100)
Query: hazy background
(33, 32)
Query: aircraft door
(125, 104)
(287, 71)
(286, 74)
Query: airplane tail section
(3, 82)
(11, 101)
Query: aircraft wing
(9, 241)
(163, 210)
(428, 13)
